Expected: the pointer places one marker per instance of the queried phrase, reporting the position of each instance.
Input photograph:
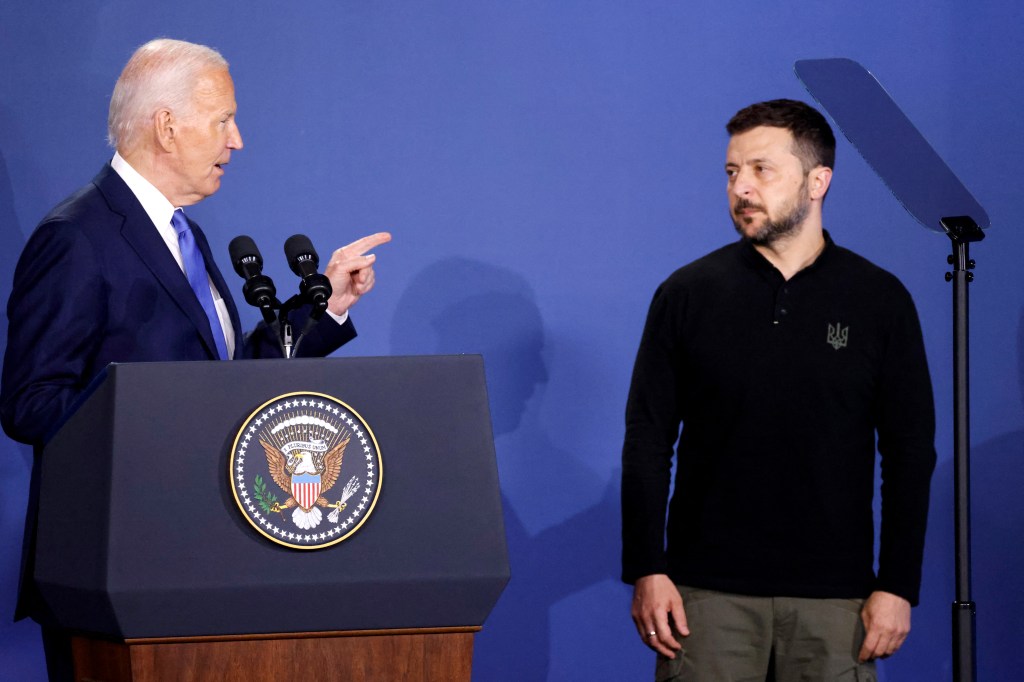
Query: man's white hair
(161, 74)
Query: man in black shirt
(782, 356)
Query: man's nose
(235, 137)
(741, 183)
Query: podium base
(427, 655)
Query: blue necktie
(195, 270)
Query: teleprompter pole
(962, 230)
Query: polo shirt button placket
(780, 309)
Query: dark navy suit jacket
(97, 284)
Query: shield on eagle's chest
(306, 490)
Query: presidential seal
(305, 470)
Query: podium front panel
(140, 534)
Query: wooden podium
(144, 557)
(441, 655)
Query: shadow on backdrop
(459, 305)
(20, 646)
(997, 561)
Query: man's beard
(772, 231)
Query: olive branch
(266, 500)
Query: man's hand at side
(886, 619)
(655, 597)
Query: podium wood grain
(435, 655)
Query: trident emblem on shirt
(838, 336)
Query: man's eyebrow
(749, 161)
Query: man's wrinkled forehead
(213, 85)
(763, 143)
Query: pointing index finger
(361, 246)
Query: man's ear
(818, 181)
(165, 129)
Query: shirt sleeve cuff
(340, 319)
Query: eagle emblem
(288, 462)
(307, 471)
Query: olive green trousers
(738, 638)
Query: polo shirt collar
(753, 258)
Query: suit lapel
(220, 284)
(138, 230)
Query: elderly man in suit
(117, 273)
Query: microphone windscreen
(298, 249)
(243, 250)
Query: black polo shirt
(781, 388)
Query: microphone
(303, 261)
(258, 289)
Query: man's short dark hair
(812, 136)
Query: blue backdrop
(543, 166)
